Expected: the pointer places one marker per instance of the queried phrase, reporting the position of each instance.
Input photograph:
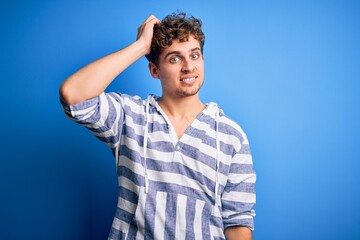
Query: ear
(153, 70)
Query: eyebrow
(178, 52)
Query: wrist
(143, 46)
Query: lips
(188, 80)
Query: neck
(182, 107)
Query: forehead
(182, 47)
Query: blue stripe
(241, 168)
(124, 215)
(128, 195)
(158, 127)
(230, 130)
(116, 234)
(242, 187)
(109, 139)
(129, 174)
(227, 149)
(161, 146)
(205, 221)
(133, 229)
(133, 112)
(245, 149)
(187, 191)
(109, 121)
(134, 156)
(190, 216)
(218, 238)
(248, 222)
(129, 132)
(223, 127)
(197, 155)
(174, 167)
(150, 212)
(128, 98)
(235, 206)
(81, 106)
(136, 118)
(170, 216)
(217, 222)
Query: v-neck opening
(188, 129)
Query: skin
(180, 70)
(181, 73)
(238, 233)
(92, 80)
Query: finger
(152, 18)
(149, 19)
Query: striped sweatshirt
(169, 188)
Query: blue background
(287, 71)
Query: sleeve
(102, 115)
(238, 198)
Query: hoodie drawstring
(145, 144)
(145, 141)
(217, 202)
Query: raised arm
(91, 80)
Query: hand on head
(146, 30)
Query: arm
(238, 197)
(92, 80)
(238, 233)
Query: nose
(188, 66)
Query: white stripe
(108, 133)
(236, 216)
(237, 178)
(140, 218)
(168, 158)
(133, 145)
(179, 179)
(216, 232)
(135, 104)
(88, 115)
(104, 111)
(120, 225)
(242, 159)
(204, 169)
(115, 125)
(128, 184)
(180, 232)
(126, 205)
(226, 138)
(240, 197)
(159, 136)
(199, 208)
(160, 215)
(81, 111)
(160, 156)
(234, 125)
(191, 163)
(135, 167)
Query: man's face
(180, 69)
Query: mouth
(188, 80)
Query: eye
(194, 56)
(174, 59)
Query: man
(184, 168)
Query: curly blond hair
(176, 26)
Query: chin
(188, 93)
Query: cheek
(170, 72)
(200, 65)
